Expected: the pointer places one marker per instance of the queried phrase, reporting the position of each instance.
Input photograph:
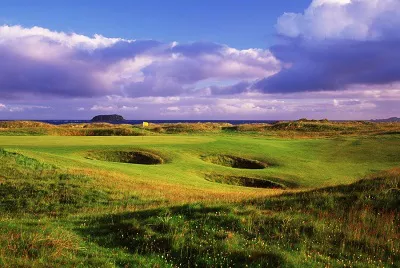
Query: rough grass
(25, 128)
(354, 225)
(38, 245)
(188, 127)
(28, 186)
(24, 124)
(289, 129)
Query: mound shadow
(234, 161)
(152, 231)
(244, 181)
(130, 157)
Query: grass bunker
(244, 181)
(234, 161)
(131, 157)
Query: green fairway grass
(75, 201)
(305, 163)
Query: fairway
(295, 163)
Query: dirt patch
(244, 181)
(131, 157)
(234, 161)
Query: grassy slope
(73, 197)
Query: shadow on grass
(357, 223)
(185, 236)
(382, 192)
(245, 181)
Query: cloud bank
(38, 61)
(335, 44)
(338, 59)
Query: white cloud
(74, 65)
(353, 104)
(173, 109)
(337, 45)
(21, 107)
(348, 19)
(128, 108)
(317, 3)
(16, 109)
(245, 108)
(17, 32)
(335, 103)
(106, 108)
(201, 109)
(113, 108)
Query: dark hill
(391, 119)
(108, 118)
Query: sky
(200, 60)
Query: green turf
(63, 207)
(306, 163)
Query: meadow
(293, 194)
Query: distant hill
(391, 119)
(108, 118)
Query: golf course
(299, 194)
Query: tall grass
(300, 128)
(29, 186)
(355, 225)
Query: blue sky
(177, 59)
(240, 24)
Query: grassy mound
(244, 181)
(24, 124)
(188, 127)
(355, 225)
(248, 128)
(37, 245)
(325, 126)
(94, 125)
(94, 131)
(293, 129)
(234, 161)
(29, 186)
(25, 128)
(131, 157)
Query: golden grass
(25, 124)
(40, 246)
(120, 185)
(285, 129)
